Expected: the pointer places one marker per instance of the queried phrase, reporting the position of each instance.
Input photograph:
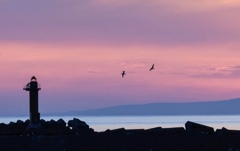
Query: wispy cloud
(120, 22)
(93, 71)
(222, 72)
(134, 64)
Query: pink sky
(78, 49)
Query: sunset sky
(77, 49)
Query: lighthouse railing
(27, 87)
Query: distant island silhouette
(224, 107)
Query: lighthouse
(33, 88)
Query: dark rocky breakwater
(77, 135)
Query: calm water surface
(102, 123)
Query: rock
(135, 131)
(19, 122)
(173, 131)
(166, 131)
(192, 127)
(2, 128)
(227, 131)
(12, 129)
(11, 124)
(155, 129)
(52, 122)
(77, 124)
(42, 121)
(116, 131)
(61, 123)
(27, 122)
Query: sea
(102, 123)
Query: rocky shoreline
(77, 135)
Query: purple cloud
(134, 23)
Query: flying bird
(152, 68)
(123, 74)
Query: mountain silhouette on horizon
(225, 107)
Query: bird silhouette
(152, 68)
(123, 74)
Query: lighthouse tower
(33, 88)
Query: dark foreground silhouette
(76, 135)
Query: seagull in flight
(123, 74)
(152, 68)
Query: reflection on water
(102, 123)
